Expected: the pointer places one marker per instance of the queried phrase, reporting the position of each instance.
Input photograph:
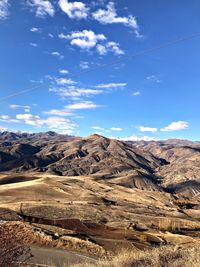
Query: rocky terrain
(172, 165)
(105, 193)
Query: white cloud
(85, 39)
(34, 29)
(63, 71)
(82, 105)
(137, 93)
(109, 16)
(41, 7)
(57, 54)
(74, 10)
(147, 129)
(7, 119)
(84, 65)
(111, 85)
(64, 81)
(101, 49)
(53, 123)
(116, 129)
(59, 112)
(59, 123)
(63, 36)
(4, 5)
(26, 107)
(109, 47)
(137, 138)
(153, 78)
(98, 128)
(50, 35)
(75, 93)
(56, 123)
(13, 106)
(33, 44)
(175, 126)
(29, 119)
(115, 48)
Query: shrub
(12, 250)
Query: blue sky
(57, 71)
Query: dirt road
(57, 257)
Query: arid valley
(98, 196)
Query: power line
(128, 57)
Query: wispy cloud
(75, 10)
(8, 119)
(135, 138)
(59, 112)
(153, 78)
(42, 8)
(75, 93)
(111, 85)
(116, 129)
(33, 44)
(50, 35)
(148, 129)
(64, 81)
(112, 129)
(98, 128)
(34, 29)
(57, 54)
(114, 47)
(63, 71)
(83, 105)
(137, 93)
(26, 108)
(4, 5)
(84, 65)
(176, 126)
(109, 16)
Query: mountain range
(171, 165)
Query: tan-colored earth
(98, 195)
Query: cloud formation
(57, 54)
(4, 5)
(75, 92)
(109, 16)
(111, 85)
(74, 10)
(26, 108)
(176, 126)
(42, 8)
(63, 71)
(135, 138)
(34, 29)
(55, 123)
(137, 93)
(82, 105)
(148, 129)
(87, 39)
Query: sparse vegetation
(175, 225)
(12, 249)
(160, 257)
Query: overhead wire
(126, 57)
